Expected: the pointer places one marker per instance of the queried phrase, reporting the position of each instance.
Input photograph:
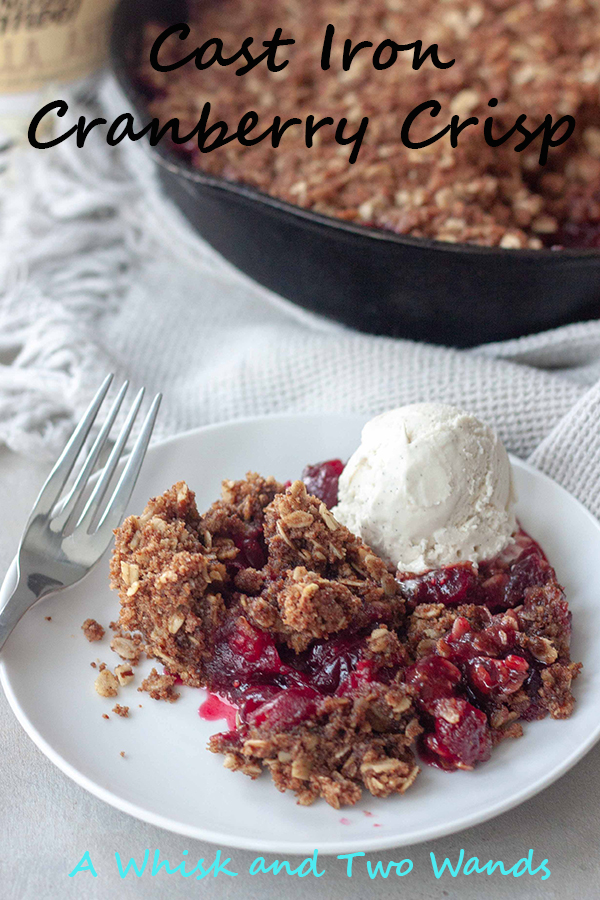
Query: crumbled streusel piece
(127, 648)
(93, 630)
(322, 578)
(106, 684)
(347, 743)
(124, 673)
(160, 687)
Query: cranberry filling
(215, 708)
(271, 684)
(322, 479)
(435, 678)
(457, 734)
(253, 553)
(578, 236)
(328, 663)
(491, 676)
(461, 736)
(468, 673)
(243, 657)
(451, 585)
(462, 644)
(287, 708)
(498, 584)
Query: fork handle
(15, 600)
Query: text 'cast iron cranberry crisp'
(512, 59)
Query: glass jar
(46, 44)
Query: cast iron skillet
(367, 278)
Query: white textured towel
(99, 273)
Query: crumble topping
(128, 648)
(106, 684)
(160, 687)
(124, 674)
(92, 630)
(346, 582)
(348, 742)
(122, 711)
(177, 601)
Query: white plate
(168, 778)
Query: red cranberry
(253, 553)
(242, 655)
(494, 591)
(255, 646)
(462, 735)
(578, 235)
(530, 570)
(327, 663)
(505, 578)
(450, 585)
(434, 678)
(463, 643)
(286, 709)
(322, 479)
(364, 673)
(255, 696)
(497, 676)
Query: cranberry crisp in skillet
(350, 662)
(512, 58)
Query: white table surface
(47, 822)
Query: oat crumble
(92, 630)
(160, 687)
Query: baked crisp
(535, 58)
(339, 672)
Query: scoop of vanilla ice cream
(430, 485)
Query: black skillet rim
(169, 160)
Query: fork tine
(63, 520)
(91, 507)
(64, 465)
(122, 493)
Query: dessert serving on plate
(362, 620)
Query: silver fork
(60, 544)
